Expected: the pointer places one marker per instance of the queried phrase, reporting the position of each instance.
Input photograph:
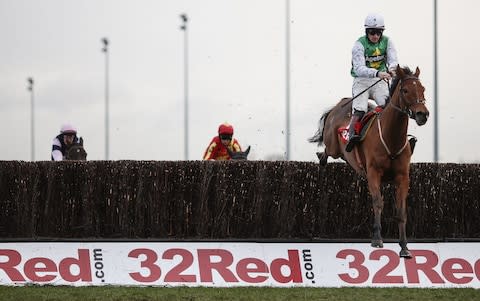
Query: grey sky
(237, 72)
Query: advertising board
(225, 264)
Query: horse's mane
(396, 79)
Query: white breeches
(379, 93)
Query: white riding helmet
(374, 21)
(68, 128)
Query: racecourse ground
(109, 293)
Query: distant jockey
(217, 149)
(67, 137)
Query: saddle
(362, 126)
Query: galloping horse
(383, 155)
(76, 151)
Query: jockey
(67, 137)
(217, 149)
(373, 57)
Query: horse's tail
(318, 137)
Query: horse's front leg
(374, 182)
(401, 208)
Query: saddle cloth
(361, 127)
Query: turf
(111, 293)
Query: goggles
(373, 31)
(225, 137)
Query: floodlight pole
(435, 84)
(287, 78)
(107, 134)
(32, 118)
(183, 27)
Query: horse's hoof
(405, 253)
(377, 243)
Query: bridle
(74, 150)
(406, 110)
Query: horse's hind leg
(377, 198)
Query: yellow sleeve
(209, 151)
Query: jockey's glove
(384, 75)
(392, 72)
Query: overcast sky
(236, 73)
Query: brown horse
(76, 151)
(383, 155)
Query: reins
(351, 99)
(405, 111)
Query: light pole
(435, 84)
(32, 119)
(287, 78)
(183, 27)
(105, 49)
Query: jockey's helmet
(374, 21)
(68, 129)
(225, 129)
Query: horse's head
(411, 94)
(76, 152)
(239, 155)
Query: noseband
(406, 110)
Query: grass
(114, 293)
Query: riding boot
(353, 137)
